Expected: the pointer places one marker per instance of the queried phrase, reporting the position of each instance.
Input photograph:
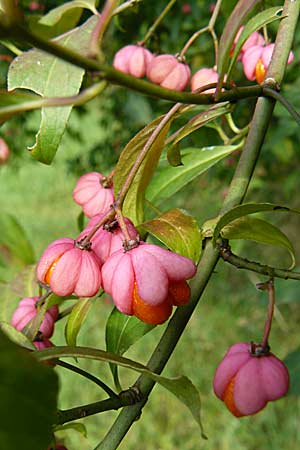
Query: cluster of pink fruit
(173, 72)
(144, 280)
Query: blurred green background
(231, 310)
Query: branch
(243, 263)
(129, 397)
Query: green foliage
(28, 399)
(120, 334)
(169, 180)
(133, 206)
(75, 320)
(260, 231)
(178, 231)
(39, 72)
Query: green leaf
(245, 210)
(133, 206)
(16, 336)
(79, 427)
(199, 121)
(168, 180)
(121, 333)
(15, 102)
(181, 387)
(260, 231)
(39, 72)
(14, 239)
(240, 14)
(292, 361)
(56, 14)
(255, 23)
(178, 231)
(76, 319)
(28, 393)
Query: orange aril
(180, 293)
(49, 272)
(229, 400)
(260, 71)
(154, 315)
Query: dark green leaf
(260, 231)
(16, 336)
(121, 333)
(13, 238)
(76, 319)
(28, 399)
(240, 14)
(245, 210)
(168, 180)
(39, 72)
(255, 23)
(56, 14)
(133, 206)
(178, 231)
(181, 387)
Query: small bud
(169, 73)
(133, 60)
(247, 381)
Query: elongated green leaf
(178, 231)
(181, 387)
(200, 120)
(16, 336)
(28, 399)
(255, 23)
(56, 14)
(240, 14)
(245, 210)
(121, 333)
(39, 72)
(76, 426)
(14, 239)
(260, 231)
(133, 206)
(169, 180)
(76, 319)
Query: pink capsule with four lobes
(107, 240)
(26, 311)
(133, 60)
(246, 380)
(256, 61)
(94, 193)
(70, 267)
(203, 77)
(146, 272)
(168, 72)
